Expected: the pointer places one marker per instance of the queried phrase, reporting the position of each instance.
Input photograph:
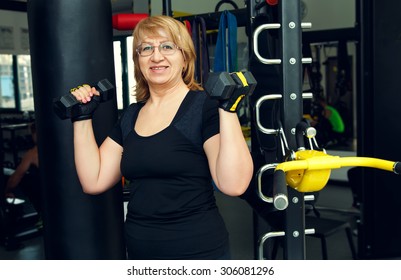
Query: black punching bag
(71, 43)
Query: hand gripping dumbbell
(68, 107)
(229, 88)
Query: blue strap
(222, 61)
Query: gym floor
(334, 201)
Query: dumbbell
(229, 88)
(68, 107)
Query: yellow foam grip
(234, 107)
(244, 82)
(242, 78)
(311, 170)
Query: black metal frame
(291, 115)
(364, 118)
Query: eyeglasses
(166, 48)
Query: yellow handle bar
(311, 169)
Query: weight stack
(71, 43)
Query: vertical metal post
(167, 10)
(291, 114)
(365, 85)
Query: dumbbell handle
(103, 86)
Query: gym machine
(290, 107)
(297, 171)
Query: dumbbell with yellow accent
(68, 107)
(229, 88)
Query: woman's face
(164, 66)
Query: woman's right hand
(84, 93)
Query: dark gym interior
(350, 63)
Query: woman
(170, 145)
(29, 165)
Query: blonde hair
(180, 36)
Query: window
(118, 73)
(131, 77)
(7, 92)
(20, 98)
(25, 82)
(124, 71)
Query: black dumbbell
(68, 107)
(229, 88)
(219, 85)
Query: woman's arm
(29, 158)
(229, 157)
(98, 168)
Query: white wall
(330, 14)
(14, 38)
